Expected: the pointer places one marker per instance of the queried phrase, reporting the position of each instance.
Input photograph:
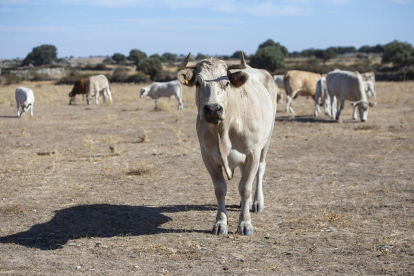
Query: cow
(236, 107)
(279, 82)
(369, 89)
(321, 93)
(78, 89)
(369, 76)
(24, 99)
(346, 85)
(157, 90)
(299, 83)
(95, 85)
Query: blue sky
(102, 27)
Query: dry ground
(121, 190)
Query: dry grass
(338, 197)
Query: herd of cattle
(236, 107)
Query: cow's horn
(242, 65)
(185, 63)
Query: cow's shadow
(306, 119)
(100, 220)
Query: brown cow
(299, 83)
(78, 88)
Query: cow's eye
(227, 84)
(197, 83)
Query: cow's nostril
(219, 108)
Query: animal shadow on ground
(100, 220)
(305, 119)
(9, 116)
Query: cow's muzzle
(212, 113)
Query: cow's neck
(221, 131)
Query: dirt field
(121, 190)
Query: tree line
(270, 55)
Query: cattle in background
(157, 90)
(279, 82)
(79, 88)
(369, 76)
(345, 85)
(321, 93)
(369, 89)
(96, 85)
(24, 99)
(299, 83)
(236, 112)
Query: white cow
(236, 112)
(369, 76)
(157, 90)
(25, 99)
(321, 93)
(279, 82)
(369, 89)
(345, 85)
(95, 85)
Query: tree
(399, 53)
(156, 56)
(200, 56)
(166, 57)
(41, 55)
(118, 58)
(136, 56)
(269, 58)
(271, 43)
(150, 66)
(325, 54)
(378, 49)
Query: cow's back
(96, 83)
(24, 94)
(302, 81)
(165, 89)
(346, 85)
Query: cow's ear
(186, 77)
(238, 78)
(372, 104)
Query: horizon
(104, 27)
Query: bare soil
(121, 190)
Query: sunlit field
(120, 188)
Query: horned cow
(236, 112)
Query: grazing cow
(345, 85)
(369, 76)
(279, 82)
(95, 85)
(78, 89)
(369, 89)
(25, 99)
(157, 90)
(321, 92)
(299, 83)
(236, 112)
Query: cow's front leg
(220, 227)
(245, 189)
(31, 110)
(354, 113)
(18, 108)
(156, 107)
(97, 97)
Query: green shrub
(41, 55)
(11, 79)
(120, 74)
(150, 66)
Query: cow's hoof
(257, 208)
(245, 229)
(220, 228)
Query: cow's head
(25, 106)
(214, 81)
(144, 92)
(363, 107)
